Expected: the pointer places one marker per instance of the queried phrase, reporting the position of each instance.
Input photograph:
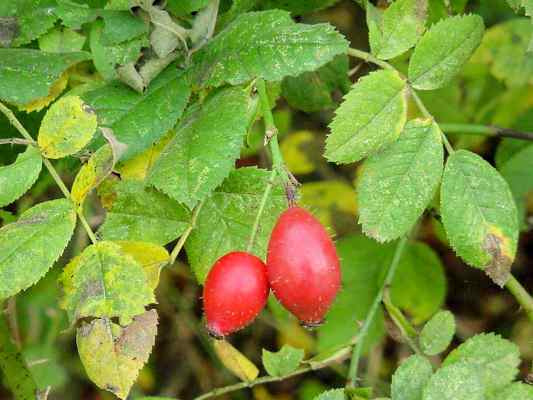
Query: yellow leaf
(296, 149)
(137, 168)
(113, 355)
(235, 361)
(55, 90)
(67, 127)
(91, 174)
(327, 199)
(151, 256)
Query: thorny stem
(486, 130)
(358, 348)
(521, 295)
(278, 169)
(181, 242)
(16, 123)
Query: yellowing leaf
(295, 150)
(112, 355)
(138, 166)
(91, 174)
(66, 128)
(55, 90)
(328, 198)
(235, 361)
(151, 256)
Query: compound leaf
(139, 120)
(204, 149)
(30, 246)
(67, 127)
(479, 214)
(141, 213)
(113, 355)
(103, 281)
(19, 177)
(410, 378)
(372, 115)
(495, 359)
(282, 362)
(459, 381)
(443, 50)
(226, 219)
(268, 45)
(438, 333)
(398, 29)
(397, 184)
(27, 74)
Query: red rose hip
(235, 291)
(303, 266)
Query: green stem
(53, 172)
(407, 330)
(358, 348)
(486, 130)
(183, 238)
(521, 295)
(367, 57)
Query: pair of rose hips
(302, 269)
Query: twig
(12, 320)
(181, 242)
(358, 348)
(16, 141)
(16, 123)
(486, 130)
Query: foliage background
(488, 91)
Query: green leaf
(419, 286)
(121, 26)
(61, 40)
(410, 378)
(104, 282)
(311, 91)
(33, 19)
(30, 246)
(67, 127)
(459, 381)
(141, 213)
(225, 221)
(517, 172)
(479, 214)
(45, 364)
(438, 333)
(266, 45)
(139, 120)
(372, 116)
(514, 391)
(113, 355)
(332, 394)
(184, 7)
(362, 262)
(282, 362)
(505, 49)
(106, 58)
(17, 178)
(495, 359)
(297, 7)
(443, 50)
(73, 14)
(205, 147)
(397, 184)
(92, 173)
(27, 74)
(398, 29)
